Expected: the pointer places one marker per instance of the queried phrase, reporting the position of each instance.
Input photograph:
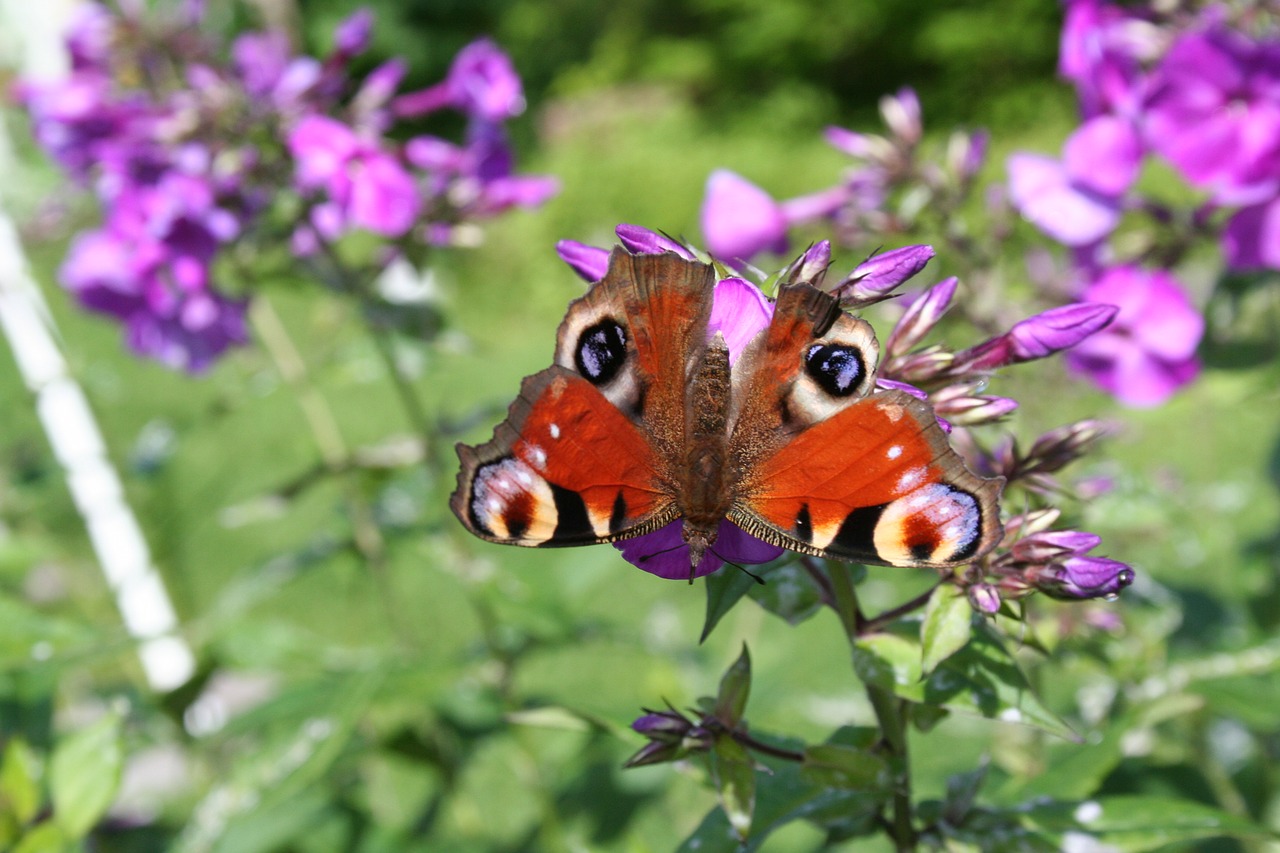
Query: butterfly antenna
(755, 577)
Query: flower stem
(759, 746)
(891, 714)
(334, 453)
(875, 623)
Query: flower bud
(642, 241)
(920, 318)
(811, 267)
(901, 114)
(589, 262)
(1085, 577)
(879, 275)
(984, 598)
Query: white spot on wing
(555, 430)
(894, 452)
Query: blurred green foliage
(465, 697)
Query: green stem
(846, 599)
(891, 714)
(334, 453)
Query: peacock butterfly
(643, 420)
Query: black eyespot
(838, 369)
(601, 351)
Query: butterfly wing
(589, 450)
(833, 468)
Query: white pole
(117, 539)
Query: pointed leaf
(788, 592)
(84, 774)
(735, 688)
(19, 783)
(1137, 823)
(785, 795)
(835, 765)
(946, 628)
(981, 678)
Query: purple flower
(1214, 113)
(1251, 240)
(1101, 52)
(352, 36)
(590, 262)
(665, 553)
(1076, 200)
(1085, 577)
(879, 275)
(739, 312)
(1036, 337)
(481, 83)
(366, 186)
(1148, 352)
(740, 220)
(641, 241)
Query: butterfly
(642, 420)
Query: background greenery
(469, 697)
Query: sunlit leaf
(981, 678)
(734, 775)
(947, 620)
(19, 783)
(1137, 823)
(84, 774)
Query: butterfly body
(644, 418)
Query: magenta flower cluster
(953, 382)
(1199, 93)
(189, 151)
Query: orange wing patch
(566, 468)
(876, 482)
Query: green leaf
(835, 765)
(19, 783)
(1137, 823)
(782, 796)
(981, 678)
(788, 592)
(947, 621)
(84, 774)
(735, 689)
(46, 837)
(734, 775)
(724, 589)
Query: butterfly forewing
(589, 450)
(830, 467)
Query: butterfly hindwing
(832, 467)
(567, 467)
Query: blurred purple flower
(1077, 200)
(740, 220)
(1148, 352)
(1101, 51)
(366, 186)
(481, 83)
(1214, 113)
(352, 36)
(1251, 240)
